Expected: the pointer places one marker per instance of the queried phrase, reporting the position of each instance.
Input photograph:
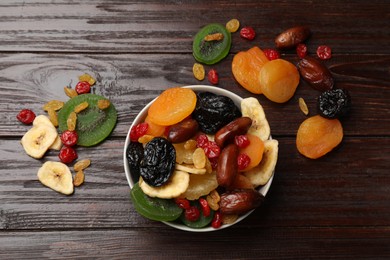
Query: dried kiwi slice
(93, 124)
(154, 208)
(211, 52)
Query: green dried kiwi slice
(211, 52)
(154, 208)
(93, 124)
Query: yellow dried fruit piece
(53, 117)
(71, 121)
(103, 103)
(199, 158)
(78, 178)
(199, 71)
(200, 185)
(88, 78)
(213, 37)
(233, 25)
(145, 139)
(53, 105)
(81, 165)
(213, 200)
(70, 92)
(190, 144)
(209, 168)
(303, 106)
(80, 107)
(183, 155)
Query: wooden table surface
(336, 207)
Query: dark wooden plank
(162, 243)
(169, 27)
(132, 80)
(347, 188)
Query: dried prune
(158, 163)
(334, 103)
(134, 155)
(213, 111)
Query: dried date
(240, 201)
(292, 37)
(315, 73)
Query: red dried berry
(247, 33)
(301, 50)
(202, 140)
(204, 205)
(214, 163)
(217, 220)
(243, 161)
(26, 116)
(271, 54)
(212, 76)
(242, 141)
(83, 87)
(67, 154)
(212, 150)
(137, 131)
(182, 203)
(69, 138)
(324, 52)
(192, 213)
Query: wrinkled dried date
(227, 166)
(315, 73)
(292, 37)
(240, 201)
(238, 126)
(183, 131)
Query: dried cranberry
(202, 140)
(212, 150)
(243, 161)
(301, 50)
(217, 220)
(26, 116)
(212, 76)
(69, 138)
(247, 33)
(324, 52)
(138, 130)
(182, 203)
(204, 205)
(192, 213)
(271, 54)
(214, 163)
(242, 141)
(83, 87)
(67, 154)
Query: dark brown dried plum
(159, 162)
(334, 103)
(134, 155)
(213, 111)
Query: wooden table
(335, 207)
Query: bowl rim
(141, 116)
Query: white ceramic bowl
(141, 117)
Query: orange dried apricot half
(154, 129)
(317, 136)
(246, 67)
(254, 150)
(172, 106)
(279, 80)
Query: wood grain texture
(336, 207)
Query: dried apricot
(318, 135)
(153, 129)
(246, 67)
(279, 80)
(172, 106)
(254, 150)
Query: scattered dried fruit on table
(70, 92)
(53, 105)
(271, 54)
(56, 176)
(291, 37)
(83, 87)
(67, 154)
(81, 165)
(79, 178)
(301, 50)
(233, 25)
(198, 71)
(69, 138)
(26, 116)
(324, 52)
(334, 103)
(279, 80)
(246, 67)
(88, 78)
(248, 33)
(212, 76)
(53, 117)
(315, 73)
(318, 136)
(303, 106)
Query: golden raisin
(78, 178)
(199, 158)
(53, 117)
(303, 106)
(190, 144)
(71, 121)
(53, 105)
(199, 71)
(88, 78)
(233, 25)
(213, 37)
(103, 103)
(81, 165)
(70, 92)
(213, 200)
(80, 107)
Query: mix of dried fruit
(84, 120)
(204, 167)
